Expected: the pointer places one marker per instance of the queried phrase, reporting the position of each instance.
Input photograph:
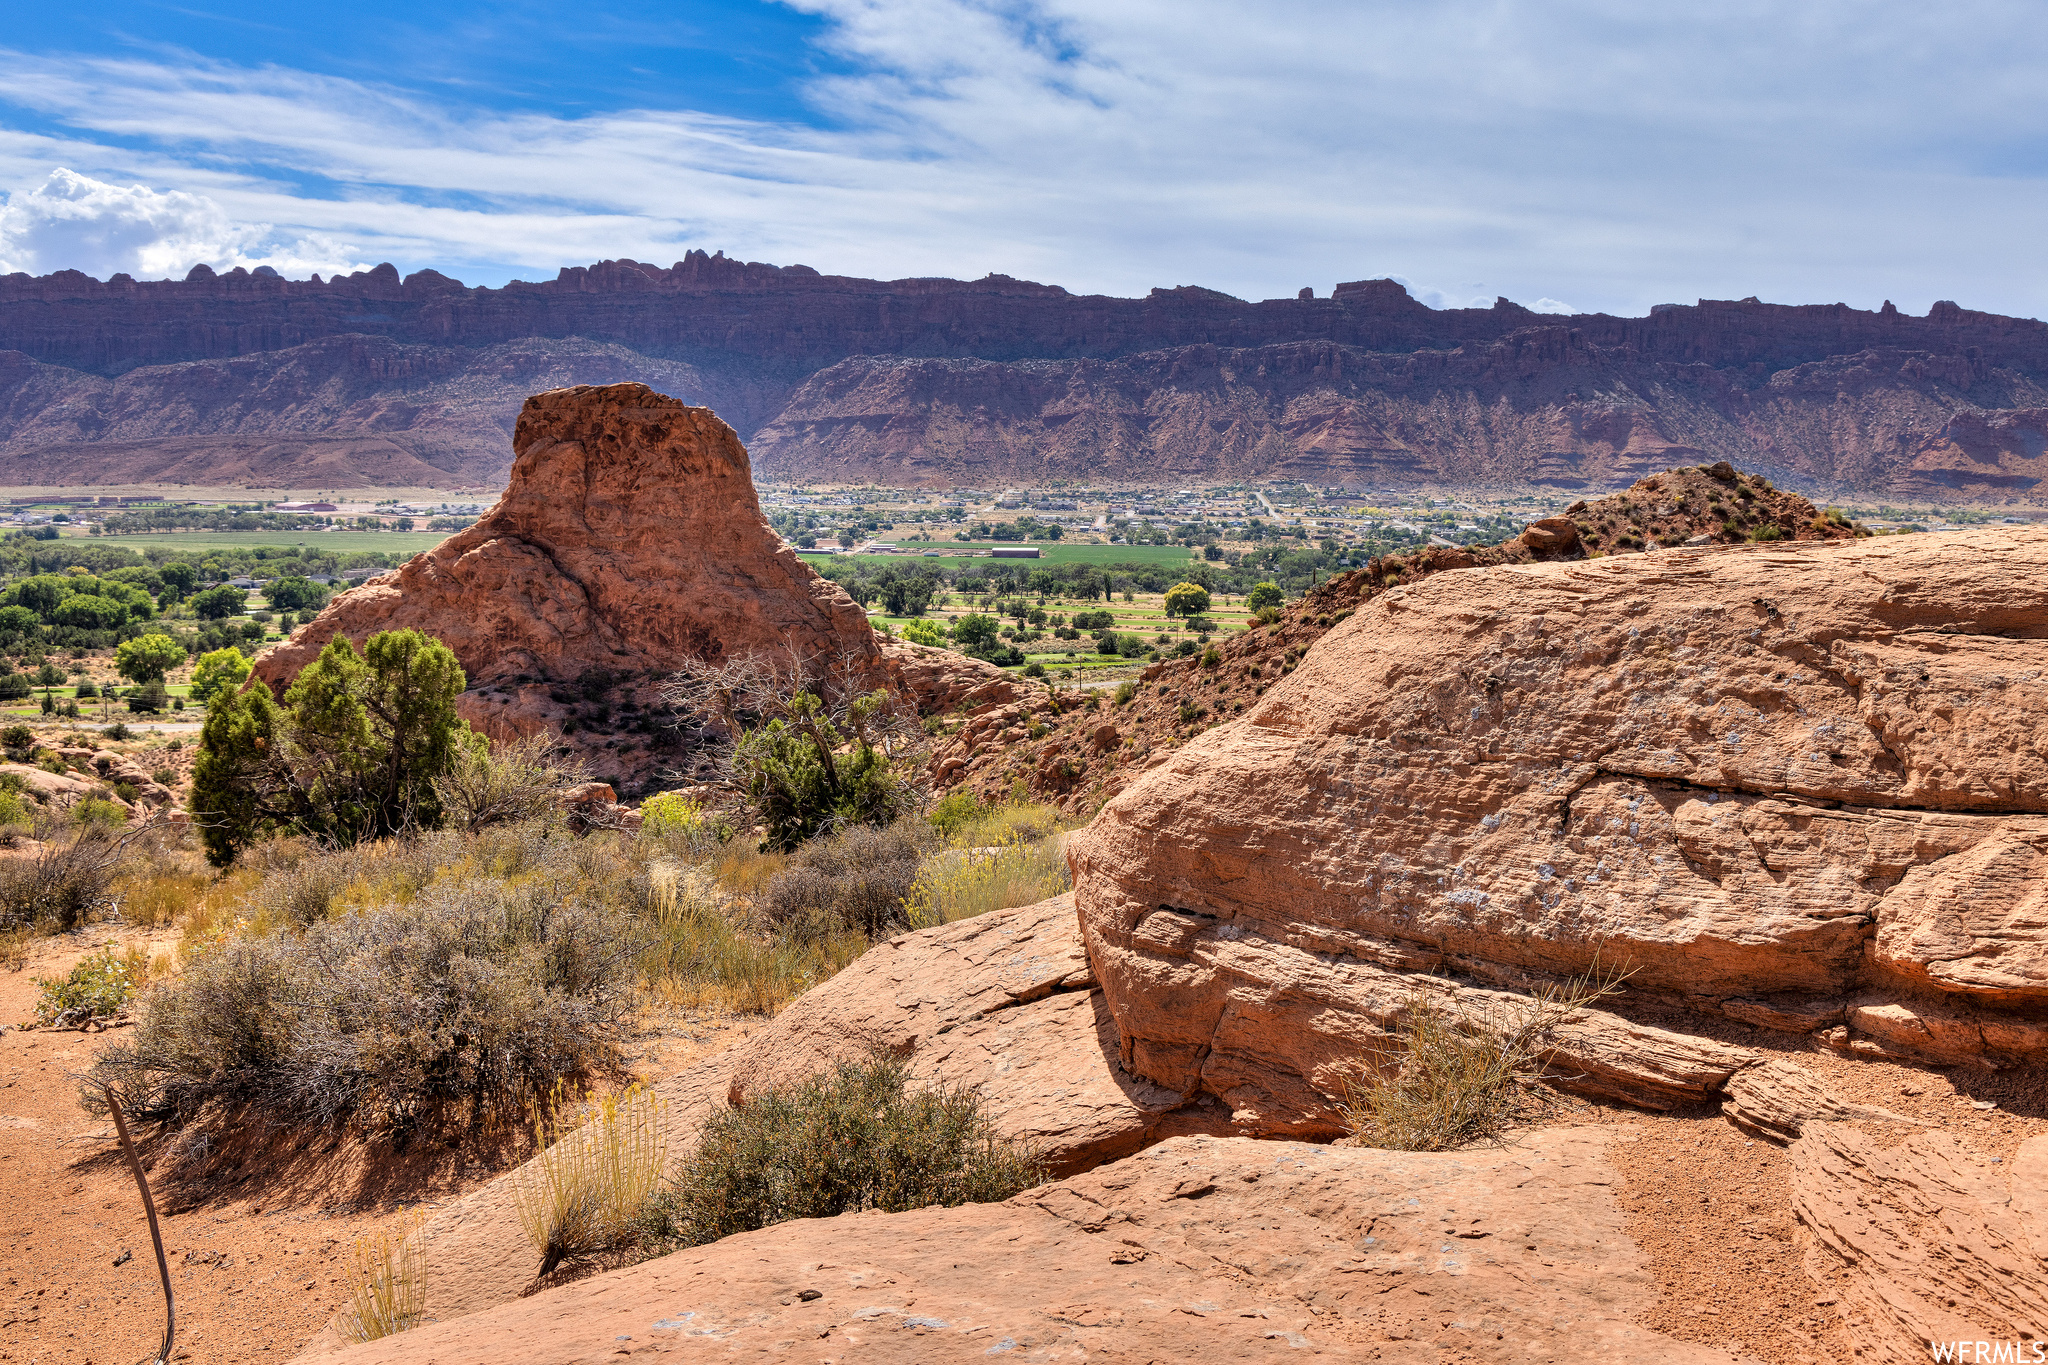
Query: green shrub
(669, 814)
(1125, 690)
(151, 697)
(855, 881)
(955, 810)
(93, 811)
(218, 671)
(1264, 595)
(96, 990)
(809, 773)
(839, 1143)
(17, 739)
(352, 753)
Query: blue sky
(1584, 154)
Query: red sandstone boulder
(628, 541)
(1785, 783)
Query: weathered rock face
(1196, 1249)
(1803, 787)
(373, 379)
(628, 541)
(1928, 1242)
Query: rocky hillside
(1078, 749)
(376, 379)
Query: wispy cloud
(1592, 151)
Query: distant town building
(304, 507)
(1014, 552)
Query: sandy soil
(1711, 1207)
(257, 1238)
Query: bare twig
(156, 1236)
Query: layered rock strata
(628, 541)
(1197, 1249)
(373, 379)
(1801, 787)
(1931, 1246)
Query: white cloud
(1550, 306)
(1608, 153)
(75, 222)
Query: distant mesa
(382, 379)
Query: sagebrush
(855, 1138)
(455, 992)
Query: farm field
(407, 543)
(1144, 616)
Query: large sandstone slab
(1196, 1249)
(1783, 778)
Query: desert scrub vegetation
(747, 930)
(801, 743)
(1456, 1076)
(855, 1138)
(362, 747)
(97, 989)
(600, 1164)
(438, 980)
(994, 858)
(73, 877)
(855, 881)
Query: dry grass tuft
(387, 1283)
(702, 956)
(1013, 855)
(599, 1167)
(1456, 1077)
